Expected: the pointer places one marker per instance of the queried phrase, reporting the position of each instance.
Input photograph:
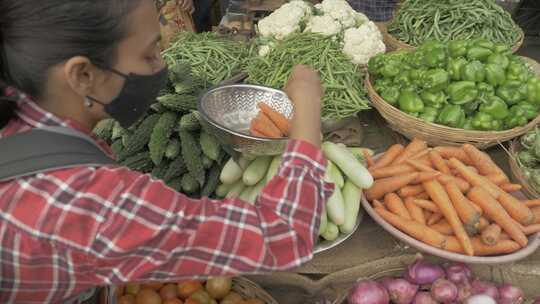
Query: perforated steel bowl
(227, 112)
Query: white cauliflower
(264, 50)
(341, 11)
(362, 43)
(324, 25)
(285, 20)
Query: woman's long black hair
(37, 35)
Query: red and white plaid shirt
(66, 231)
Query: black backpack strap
(46, 149)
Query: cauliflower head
(360, 44)
(324, 25)
(285, 20)
(341, 11)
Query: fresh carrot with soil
(493, 209)
(501, 247)
(482, 161)
(448, 152)
(416, 230)
(491, 234)
(425, 176)
(390, 171)
(420, 166)
(417, 214)
(439, 162)
(483, 223)
(410, 190)
(415, 146)
(465, 210)
(462, 184)
(475, 179)
(279, 120)
(390, 184)
(427, 204)
(394, 203)
(440, 198)
(388, 157)
(516, 209)
(443, 227)
(369, 160)
(435, 218)
(509, 187)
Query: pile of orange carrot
(452, 198)
(269, 123)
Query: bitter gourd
(210, 146)
(190, 122)
(117, 131)
(212, 181)
(140, 137)
(160, 137)
(138, 162)
(159, 171)
(103, 129)
(179, 102)
(176, 168)
(117, 147)
(176, 184)
(173, 148)
(191, 153)
(189, 184)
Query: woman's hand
(305, 90)
(186, 5)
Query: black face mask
(135, 98)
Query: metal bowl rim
(228, 130)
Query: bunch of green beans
(212, 59)
(417, 21)
(344, 95)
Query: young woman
(72, 63)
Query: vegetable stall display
(471, 85)
(247, 177)
(358, 37)
(452, 198)
(424, 282)
(419, 21)
(525, 161)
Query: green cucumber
(348, 164)
(231, 172)
(331, 233)
(351, 196)
(256, 171)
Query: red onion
(464, 292)
(537, 301)
(480, 299)
(458, 273)
(423, 297)
(422, 272)
(509, 294)
(368, 292)
(400, 290)
(444, 291)
(486, 288)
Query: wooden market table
(370, 243)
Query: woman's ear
(81, 75)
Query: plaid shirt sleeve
(151, 232)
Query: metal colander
(227, 112)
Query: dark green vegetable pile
(473, 84)
(418, 21)
(169, 142)
(528, 158)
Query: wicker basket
(244, 287)
(394, 44)
(529, 190)
(436, 134)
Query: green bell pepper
(391, 68)
(455, 65)
(452, 116)
(473, 71)
(462, 92)
(530, 110)
(517, 70)
(485, 89)
(434, 54)
(478, 53)
(410, 102)
(435, 80)
(482, 121)
(381, 84)
(403, 79)
(482, 42)
(501, 48)
(510, 92)
(495, 107)
(499, 59)
(375, 64)
(434, 100)
(498, 125)
(516, 118)
(495, 74)
(533, 90)
(417, 76)
(468, 124)
(470, 108)
(457, 48)
(429, 114)
(390, 94)
(415, 59)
